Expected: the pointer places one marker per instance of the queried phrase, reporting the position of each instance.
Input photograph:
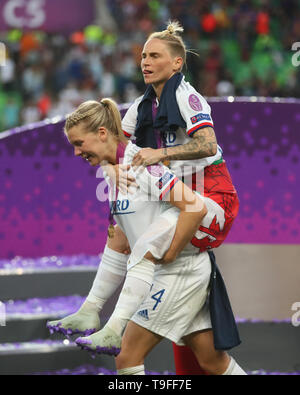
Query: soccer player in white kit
(192, 145)
(177, 143)
(174, 307)
(196, 113)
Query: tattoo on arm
(202, 145)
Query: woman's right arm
(192, 211)
(120, 177)
(165, 186)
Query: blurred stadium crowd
(243, 47)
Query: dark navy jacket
(168, 117)
(226, 335)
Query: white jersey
(196, 113)
(176, 303)
(135, 212)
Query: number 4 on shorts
(157, 297)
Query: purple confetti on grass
(96, 370)
(83, 343)
(92, 370)
(68, 332)
(52, 307)
(62, 306)
(50, 263)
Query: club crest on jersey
(200, 117)
(195, 103)
(155, 170)
(164, 180)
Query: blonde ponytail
(96, 114)
(115, 121)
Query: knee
(214, 364)
(119, 242)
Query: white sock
(110, 275)
(136, 287)
(234, 369)
(134, 371)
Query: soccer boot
(105, 341)
(84, 322)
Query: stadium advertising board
(47, 15)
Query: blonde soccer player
(157, 300)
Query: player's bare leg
(215, 362)
(137, 342)
(136, 287)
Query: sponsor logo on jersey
(167, 177)
(144, 314)
(200, 117)
(120, 205)
(169, 138)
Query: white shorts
(177, 303)
(158, 237)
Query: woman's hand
(119, 242)
(169, 257)
(120, 177)
(148, 156)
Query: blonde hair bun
(174, 27)
(173, 39)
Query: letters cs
(33, 13)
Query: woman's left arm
(202, 145)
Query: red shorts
(222, 203)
